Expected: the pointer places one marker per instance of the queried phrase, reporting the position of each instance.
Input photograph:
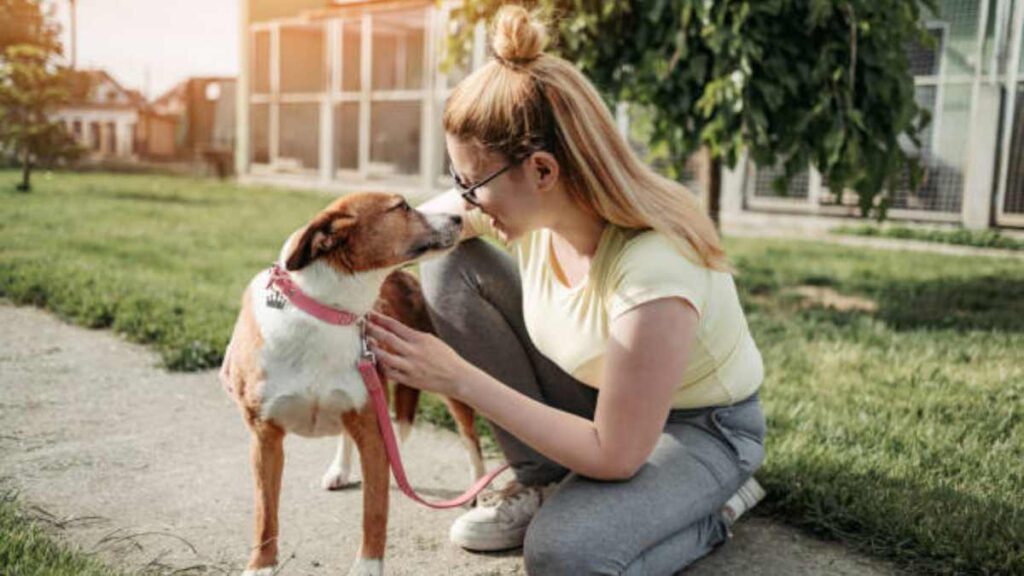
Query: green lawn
(27, 546)
(895, 380)
(958, 236)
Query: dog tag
(276, 300)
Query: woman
(619, 284)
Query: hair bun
(518, 38)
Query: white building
(347, 95)
(344, 95)
(102, 115)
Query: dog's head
(370, 231)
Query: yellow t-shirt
(630, 267)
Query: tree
(802, 81)
(30, 89)
(25, 22)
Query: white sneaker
(744, 499)
(500, 518)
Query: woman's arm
(647, 354)
(449, 202)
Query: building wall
(350, 99)
(106, 132)
(159, 137)
(267, 10)
(209, 115)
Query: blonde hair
(525, 100)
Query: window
(346, 136)
(112, 131)
(299, 144)
(398, 80)
(261, 62)
(302, 59)
(319, 70)
(924, 60)
(395, 138)
(351, 51)
(95, 139)
(259, 133)
(398, 50)
(943, 150)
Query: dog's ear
(323, 234)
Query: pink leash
(281, 281)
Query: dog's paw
(367, 567)
(337, 479)
(265, 571)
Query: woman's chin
(503, 232)
(499, 226)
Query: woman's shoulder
(648, 265)
(638, 246)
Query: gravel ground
(150, 469)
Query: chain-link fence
(971, 41)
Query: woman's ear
(544, 168)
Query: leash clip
(364, 345)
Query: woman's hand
(415, 358)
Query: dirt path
(151, 468)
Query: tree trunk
(715, 190)
(26, 172)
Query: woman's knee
(473, 271)
(469, 256)
(563, 548)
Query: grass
(160, 259)
(900, 430)
(960, 236)
(28, 546)
(895, 380)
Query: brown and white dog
(290, 372)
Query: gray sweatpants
(659, 521)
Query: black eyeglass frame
(469, 193)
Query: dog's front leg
(362, 426)
(267, 466)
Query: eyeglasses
(469, 192)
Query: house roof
(97, 88)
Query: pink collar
(282, 281)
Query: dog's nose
(457, 219)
